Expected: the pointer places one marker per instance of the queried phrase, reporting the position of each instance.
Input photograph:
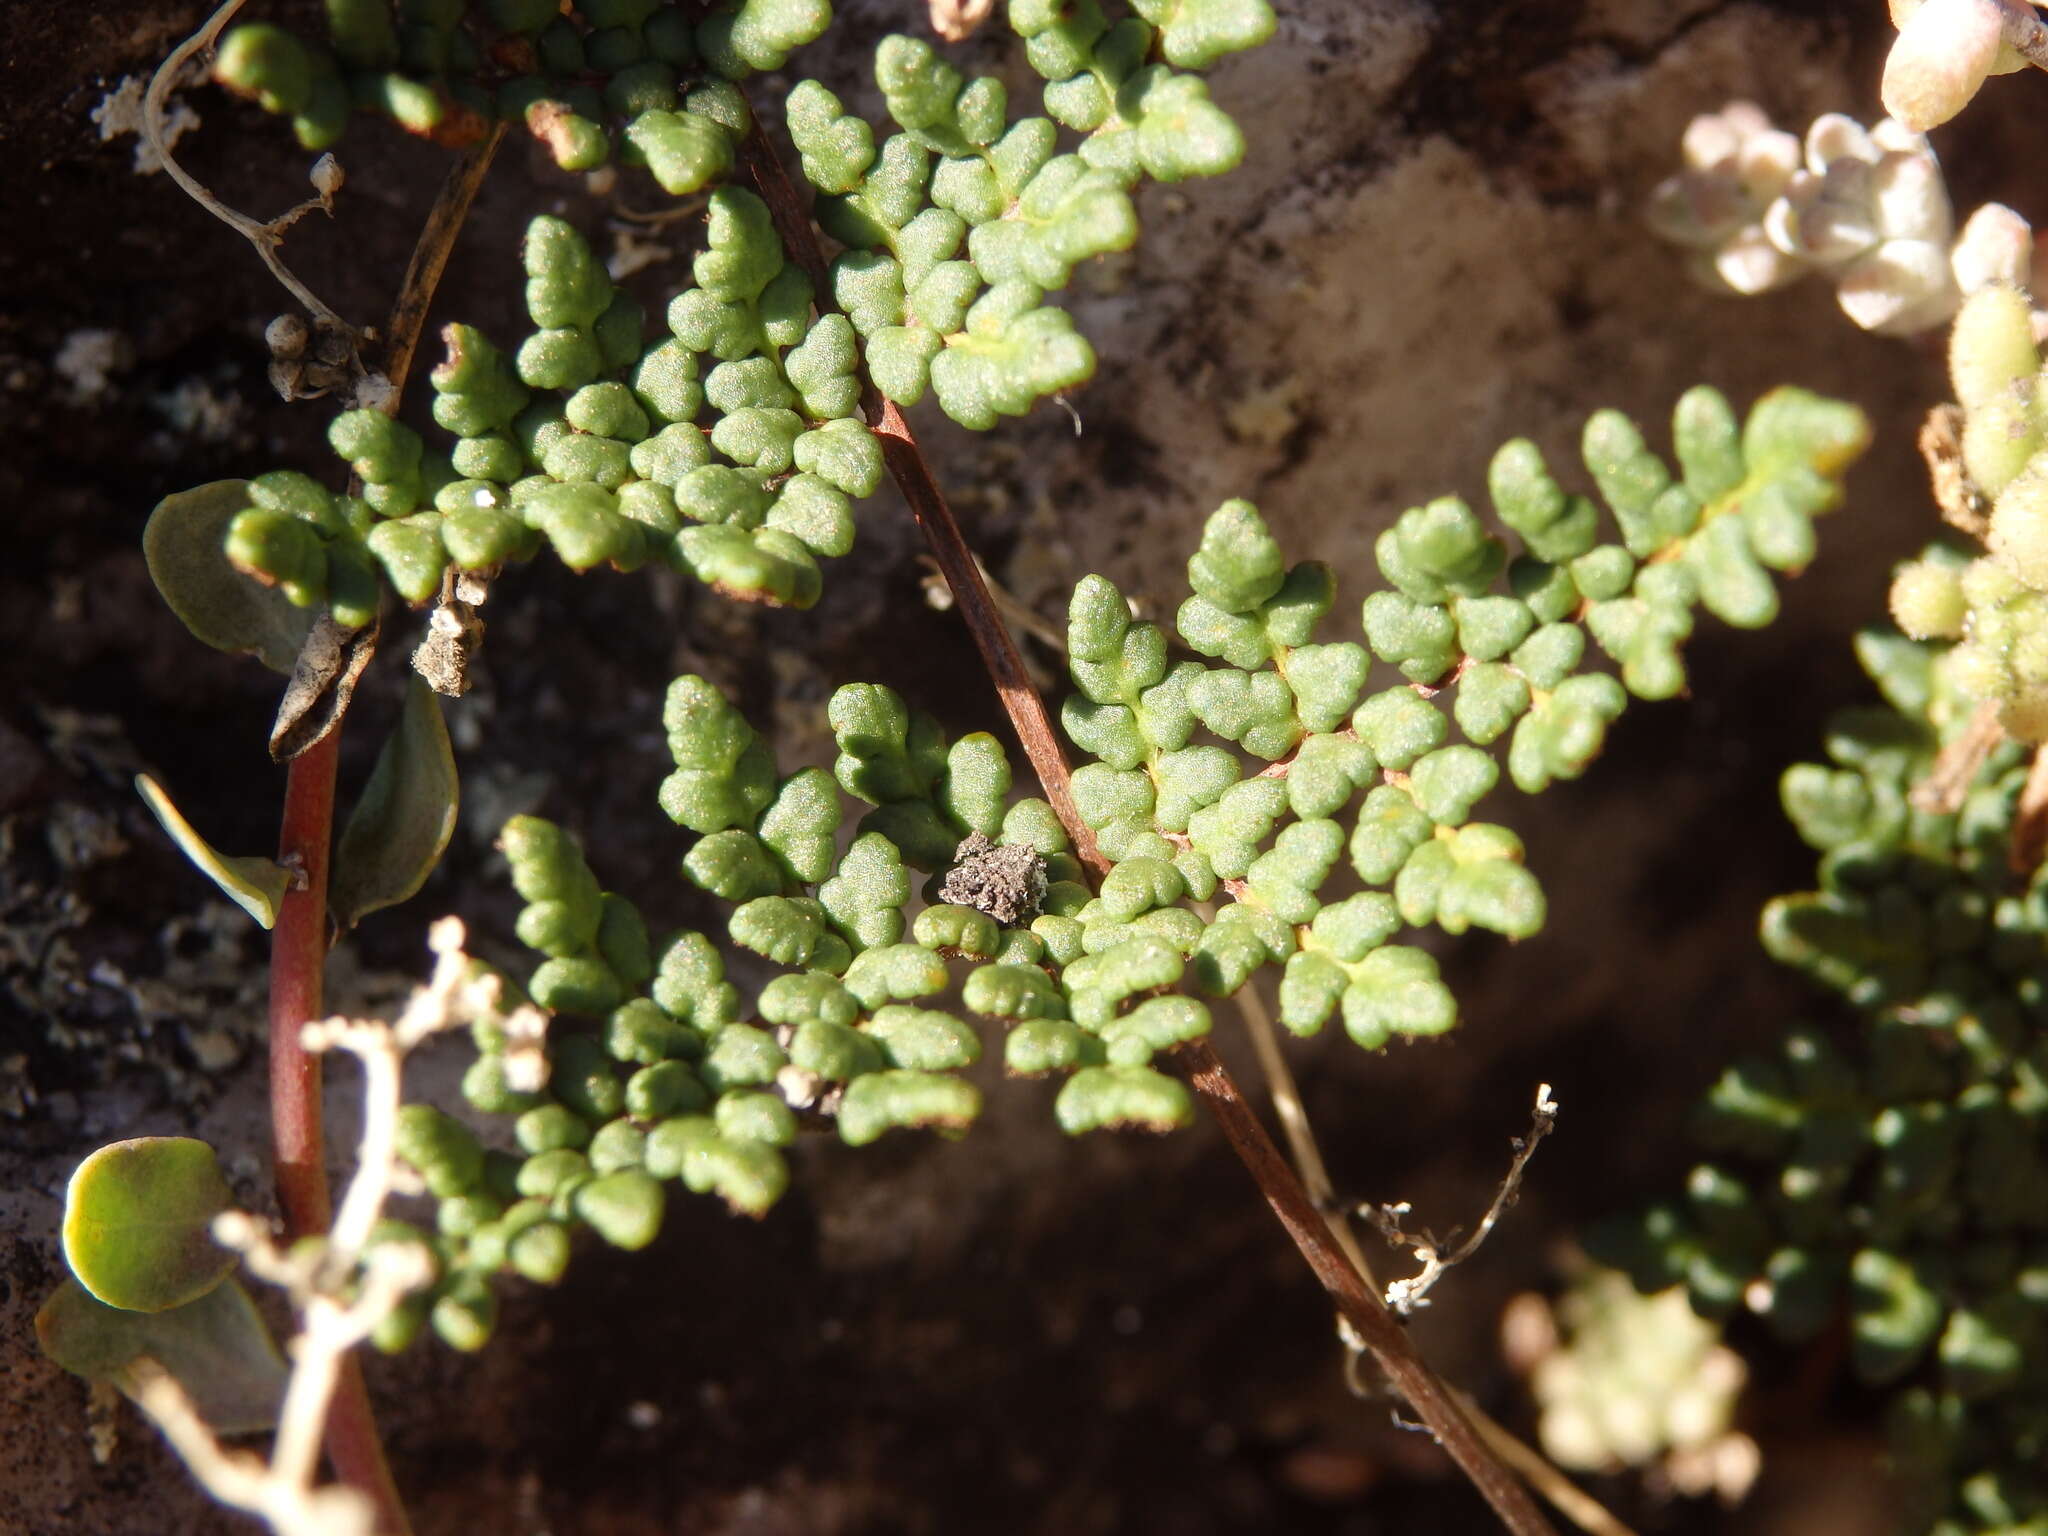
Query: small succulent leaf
(1399, 726)
(1040, 1046)
(894, 973)
(623, 1207)
(565, 905)
(446, 1154)
(1326, 680)
(922, 1039)
(836, 148)
(734, 866)
(1436, 552)
(1239, 564)
(975, 783)
(1012, 351)
(1326, 772)
(782, 929)
(1012, 992)
(1895, 1314)
(723, 776)
(1196, 33)
(1396, 990)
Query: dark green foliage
(1896, 1173)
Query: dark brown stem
(430, 259)
(999, 654)
(1357, 1303)
(956, 562)
(1432, 1401)
(298, 950)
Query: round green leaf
(138, 1220)
(184, 543)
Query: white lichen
(119, 112)
(196, 410)
(88, 359)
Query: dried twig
(1940, 443)
(1358, 1303)
(1013, 608)
(1404, 1296)
(1566, 1496)
(1576, 1505)
(1955, 766)
(430, 259)
(2030, 819)
(266, 237)
(341, 1288)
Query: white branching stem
(1404, 1296)
(1564, 1495)
(341, 1288)
(265, 237)
(241, 1480)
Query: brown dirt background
(1432, 247)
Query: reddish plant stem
(1358, 1303)
(299, 942)
(298, 956)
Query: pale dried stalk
(1955, 767)
(1565, 1496)
(282, 1492)
(1302, 1150)
(1404, 1296)
(2030, 818)
(265, 237)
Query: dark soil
(1013, 1333)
